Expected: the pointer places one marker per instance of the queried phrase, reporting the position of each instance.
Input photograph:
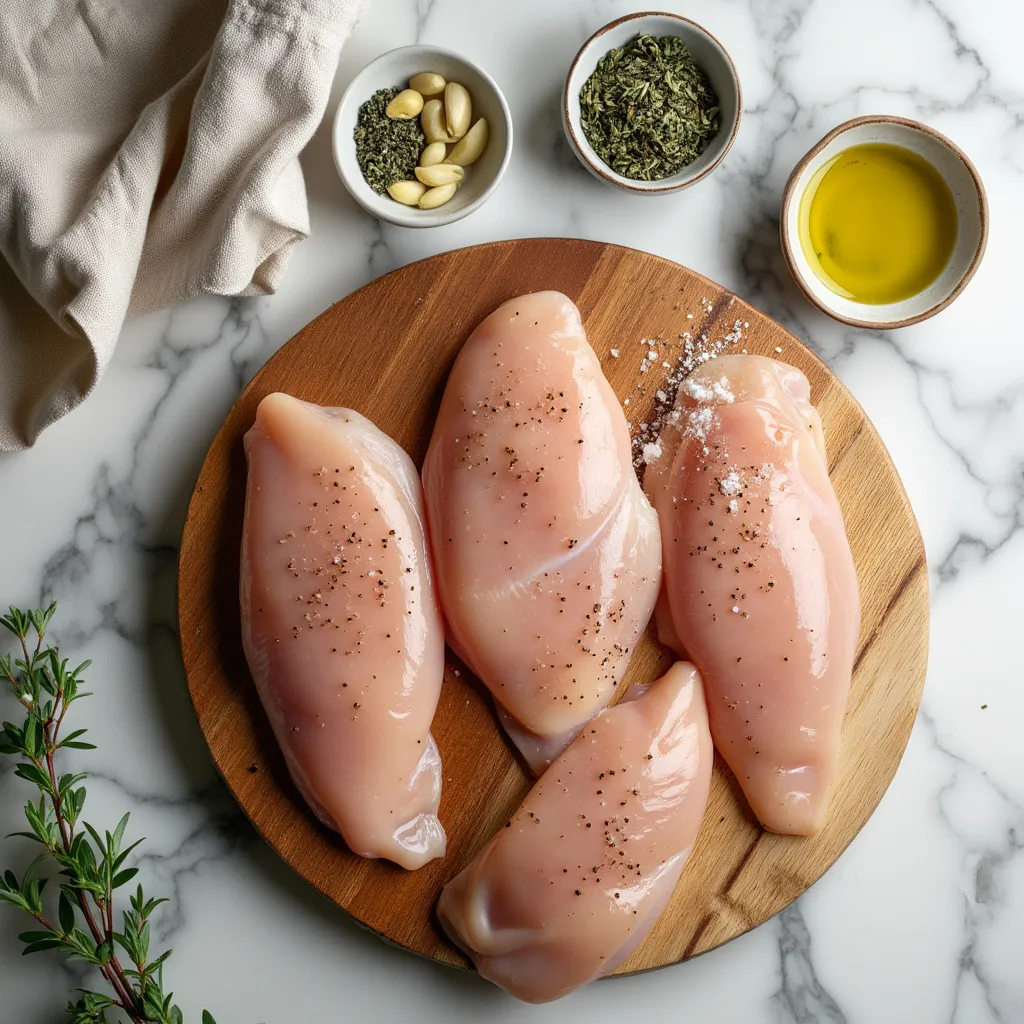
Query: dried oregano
(387, 149)
(648, 110)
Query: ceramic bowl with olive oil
(884, 222)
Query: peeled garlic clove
(405, 106)
(440, 174)
(468, 149)
(436, 197)
(433, 154)
(428, 85)
(407, 192)
(458, 109)
(433, 122)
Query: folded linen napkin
(148, 153)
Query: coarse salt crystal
(730, 485)
(734, 505)
(721, 390)
(736, 608)
(615, 353)
(651, 452)
(660, 396)
(652, 354)
(777, 349)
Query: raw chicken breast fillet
(760, 587)
(340, 625)
(571, 886)
(547, 552)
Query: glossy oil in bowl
(972, 221)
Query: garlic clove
(405, 106)
(433, 154)
(440, 174)
(458, 109)
(407, 192)
(428, 84)
(470, 147)
(436, 197)
(432, 121)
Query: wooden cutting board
(386, 351)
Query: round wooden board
(386, 351)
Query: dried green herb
(648, 110)
(387, 149)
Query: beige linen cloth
(148, 153)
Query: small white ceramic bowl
(709, 55)
(393, 70)
(972, 209)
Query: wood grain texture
(386, 351)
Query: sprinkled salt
(777, 349)
(651, 452)
(652, 354)
(736, 608)
(734, 505)
(730, 485)
(615, 353)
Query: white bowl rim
(602, 169)
(404, 216)
(789, 196)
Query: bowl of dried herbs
(651, 103)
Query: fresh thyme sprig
(91, 865)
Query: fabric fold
(148, 154)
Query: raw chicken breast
(760, 586)
(571, 886)
(340, 625)
(547, 552)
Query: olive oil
(878, 223)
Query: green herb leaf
(66, 913)
(34, 774)
(52, 942)
(123, 877)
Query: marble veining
(922, 919)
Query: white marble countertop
(922, 919)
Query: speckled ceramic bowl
(972, 229)
(710, 56)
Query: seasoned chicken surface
(547, 552)
(340, 625)
(569, 888)
(760, 589)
